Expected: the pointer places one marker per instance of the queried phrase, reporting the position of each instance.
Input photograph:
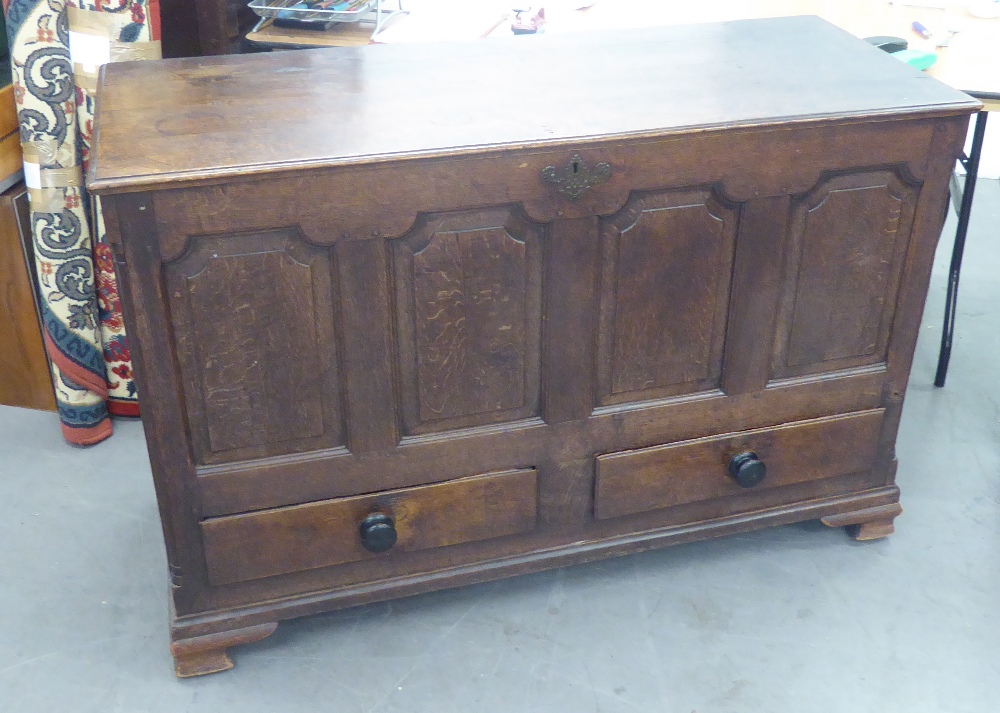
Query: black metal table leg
(971, 164)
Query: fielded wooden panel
(848, 245)
(667, 264)
(468, 306)
(253, 314)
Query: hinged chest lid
(185, 121)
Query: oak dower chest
(411, 317)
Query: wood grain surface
(326, 533)
(689, 471)
(442, 99)
(422, 324)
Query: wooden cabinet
(204, 27)
(25, 378)
(410, 317)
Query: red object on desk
(525, 22)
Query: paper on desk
(440, 25)
(937, 4)
(565, 4)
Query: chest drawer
(702, 469)
(332, 532)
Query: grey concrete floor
(795, 619)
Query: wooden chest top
(178, 122)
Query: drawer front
(291, 539)
(690, 471)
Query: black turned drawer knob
(378, 532)
(747, 469)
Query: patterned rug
(56, 51)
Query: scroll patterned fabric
(46, 105)
(109, 30)
(84, 336)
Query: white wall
(989, 164)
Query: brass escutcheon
(577, 177)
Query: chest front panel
(509, 367)
(319, 361)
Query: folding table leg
(971, 164)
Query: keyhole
(576, 167)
